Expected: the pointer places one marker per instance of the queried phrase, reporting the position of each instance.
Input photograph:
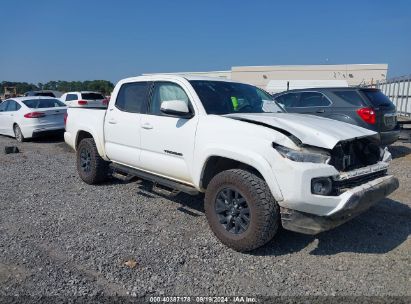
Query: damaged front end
(362, 181)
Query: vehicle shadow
(187, 202)
(399, 151)
(49, 139)
(377, 231)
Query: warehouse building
(353, 74)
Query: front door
(122, 130)
(167, 143)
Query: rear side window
(313, 99)
(351, 97)
(13, 106)
(43, 103)
(91, 96)
(377, 98)
(288, 100)
(70, 97)
(132, 97)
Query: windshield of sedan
(43, 103)
(220, 97)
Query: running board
(155, 179)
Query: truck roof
(174, 77)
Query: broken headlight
(304, 155)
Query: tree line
(102, 86)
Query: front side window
(313, 99)
(43, 103)
(288, 100)
(220, 97)
(165, 91)
(132, 96)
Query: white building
(354, 74)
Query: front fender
(248, 157)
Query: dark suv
(364, 107)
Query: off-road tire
(264, 210)
(98, 168)
(18, 134)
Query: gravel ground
(59, 236)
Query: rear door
(314, 103)
(385, 111)
(122, 131)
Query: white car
(87, 99)
(28, 117)
(258, 166)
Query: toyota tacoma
(258, 166)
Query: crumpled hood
(311, 130)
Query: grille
(340, 186)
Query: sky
(47, 40)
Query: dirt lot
(59, 236)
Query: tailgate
(385, 111)
(53, 115)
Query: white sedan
(28, 117)
(86, 99)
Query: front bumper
(359, 199)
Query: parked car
(45, 93)
(28, 117)
(86, 99)
(365, 107)
(258, 169)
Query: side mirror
(177, 108)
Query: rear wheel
(241, 210)
(18, 134)
(90, 166)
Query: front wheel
(90, 166)
(241, 210)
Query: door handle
(112, 121)
(147, 126)
(320, 111)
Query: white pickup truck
(258, 166)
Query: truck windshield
(221, 97)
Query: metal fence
(399, 91)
